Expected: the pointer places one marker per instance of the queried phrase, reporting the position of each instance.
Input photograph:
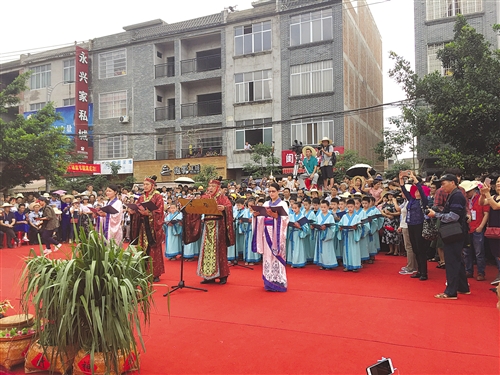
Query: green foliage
(115, 168)
(396, 140)
(263, 162)
(207, 173)
(96, 300)
(394, 170)
(346, 161)
(460, 109)
(31, 148)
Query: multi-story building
(434, 22)
(284, 70)
(280, 71)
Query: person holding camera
(328, 160)
(417, 201)
(310, 164)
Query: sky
(59, 22)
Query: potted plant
(93, 302)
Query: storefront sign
(126, 166)
(82, 104)
(180, 170)
(84, 168)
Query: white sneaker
(47, 252)
(57, 247)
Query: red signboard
(288, 156)
(82, 104)
(84, 168)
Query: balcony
(201, 64)
(165, 70)
(165, 113)
(205, 108)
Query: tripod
(235, 263)
(182, 284)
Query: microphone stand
(182, 284)
(235, 263)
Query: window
(40, 77)
(112, 104)
(112, 64)
(433, 63)
(37, 106)
(113, 147)
(252, 38)
(199, 143)
(253, 86)
(311, 27)
(311, 78)
(254, 132)
(67, 102)
(437, 9)
(311, 131)
(69, 70)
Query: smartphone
(409, 173)
(487, 181)
(382, 367)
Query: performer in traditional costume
(111, 224)
(324, 254)
(350, 234)
(250, 257)
(148, 226)
(173, 233)
(269, 239)
(218, 234)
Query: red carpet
(329, 322)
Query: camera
(427, 211)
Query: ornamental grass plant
(95, 301)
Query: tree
(207, 173)
(460, 109)
(346, 161)
(115, 168)
(30, 148)
(394, 170)
(264, 163)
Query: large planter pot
(81, 364)
(13, 349)
(38, 360)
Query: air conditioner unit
(124, 119)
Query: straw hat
(32, 206)
(326, 139)
(468, 185)
(75, 201)
(19, 195)
(200, 188)
(7, 205)
(345, 195)
(66, 196)
(46, 195)
(57, 211)
(304, 149)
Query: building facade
(434, 23)
(281, 71)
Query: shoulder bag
(451, 232)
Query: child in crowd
(324, 252)
(297, 238)
(173, 230)
(249, 255)
(350, 234)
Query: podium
(192, 209)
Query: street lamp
(51, 88)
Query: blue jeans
(476, 247)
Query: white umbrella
(360, 170)
(184, 180)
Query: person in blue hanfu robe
(192, 249)
(248, 255)
(350, 234)
(238, 248)
(377, 223)
(298, 237)
(365, 229)
(173, 232)
(324, 252)
(310, 239)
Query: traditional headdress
(216, 181)
(151, 179)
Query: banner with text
(82, 104)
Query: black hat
(449, 177)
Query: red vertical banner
(82, 98)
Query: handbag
(451, 232)
(493, 233)
(429, 230)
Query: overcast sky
(32, 25)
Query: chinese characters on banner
(82, 104)
(84, 168)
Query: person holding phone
(417, 202)
(494, 218)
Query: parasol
(360, 170)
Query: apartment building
(434, 22)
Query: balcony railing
(165, 155)
(201, 64)
(165, 70)
(208, 108)
(201, 152)
(164, 113)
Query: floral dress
(390, 235)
